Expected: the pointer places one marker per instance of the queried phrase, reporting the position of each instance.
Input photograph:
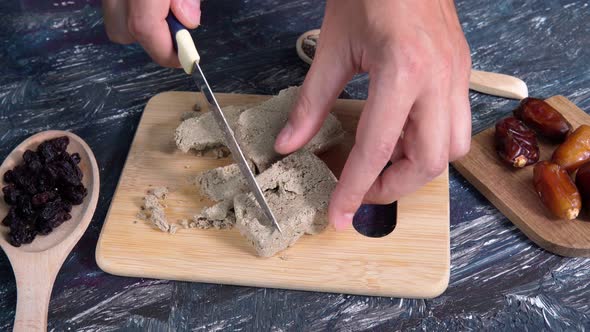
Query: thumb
(188, 12)
(326, 78)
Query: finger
(115, 21)
(460, 124)
(398, 151)
(147, 24)
(380, 125)
(188, 12)
(460, 140)
(329, 73)
(426, 144)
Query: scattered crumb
(220, 153)
(197, 108)
(284, 258)
(218, 216)
(152, 210)
(160, 192)
(141, 215)
(135, 221)
(187, 166)
(184, 223)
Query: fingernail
(191, 10)
(284, 135)
(343, 222)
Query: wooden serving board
(412, 261)
(512, 191)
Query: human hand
(417, 113)
(144, 21)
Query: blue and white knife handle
(183, 43)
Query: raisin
(23, 234)
(75, 194)
(74, 166)
(52, 149)
(50, 209)
(44, 197)
(67, 206)
(59, 219)
(11, 194)
(60, 143)
(52, 172)
(48, 152)
(69, 174)
(10, 217)
(44, 229)
(76, 157)
(45, 182)
(30, 157)
(24, 180)
(24, 206)
(9, 176)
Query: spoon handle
(34, 282)
(500, 85)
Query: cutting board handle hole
(375, 220)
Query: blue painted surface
(59, 71)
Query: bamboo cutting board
(412, 261)
(512, 191)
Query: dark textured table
(59, 71)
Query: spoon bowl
(36, 264)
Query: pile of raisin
(41, 191)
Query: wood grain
(36, 265)
(412, 261)
(512, 191)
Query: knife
(189, 59)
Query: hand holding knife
(189, 59)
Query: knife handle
(183, 44)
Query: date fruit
(516, 144)
(575, 151)
(557, 190)
(583, 183)
(543, 119)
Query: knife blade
(189, 59)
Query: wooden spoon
(36, 265)
(494, 84)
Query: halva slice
(297, 189)
(259, 126)
(201, 133)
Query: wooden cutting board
(512, 191)
(412, 261)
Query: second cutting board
(512, 191)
